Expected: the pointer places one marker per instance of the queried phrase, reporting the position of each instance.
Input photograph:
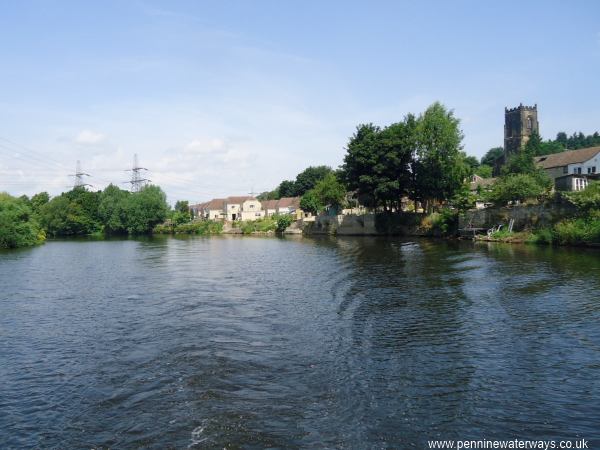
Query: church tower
(519, 123)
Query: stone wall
(526, 217)
(367, 225)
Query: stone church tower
(519, 123)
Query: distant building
(212, 210)
(519, 124)
(571, 170)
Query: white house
(571, 169)
(251, 209)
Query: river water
(230, 342)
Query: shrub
(541, 236)
(283, 222)
(578, 231)
(519, 187)
(18, 227)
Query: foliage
(519, 187)
(39, 200)
(200, 227)
(65, 215)
(283, 222)
(146, 209)
(463, 199)
(308, 179)
(502, 234)
(489, 159)
(578, 231)
(112, 209)
(286, 188)
(440, 167)
(181, 213)
(521, 162)
(541, 236)
(484, 171)
(330, 191)
(586, 200)
(18, 226)
(310, 202)
(442, 223)
(268, 195)
(378, 163)
(262, 225)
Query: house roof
(214, 204)
(238, 200)
(567, 157)
(289, 202)
(269, 204)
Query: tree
(472, 162)
(310, 202)
(39, 200)
(330, 191)
(440, 168)
(521, 187)
(378, 163)
(287, 188)
(64, 216)
(491, 156)
(484, 171)
(146, 209)
(182, 212)
(359, 162)
(112, 209)
(308, 179)
(18, 227)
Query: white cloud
(89, 137)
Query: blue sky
(218, 98)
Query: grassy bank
(576, 232)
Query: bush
(578, 231)
(283, 222)
(18, 227)
(443, 223)
(519, 187)
(201, 227)
(586, 200)
(541, 236)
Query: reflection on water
(263, 342)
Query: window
(566, 169)
(577, 170)
(593, 169)
(529, 123)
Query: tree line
(79, 212)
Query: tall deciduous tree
(440, 168)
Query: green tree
(146, 209)
(39, 200)
(330, 191)
(18, 227)
(286, 188)
(484, 171)
(112, 209)
(308, 179)
(359, 162)
(489, 159)
(63, 216)
(519, 186)
(182, 213)
(378, 163)
(310, 202)
(283, 221)
(440, 168)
